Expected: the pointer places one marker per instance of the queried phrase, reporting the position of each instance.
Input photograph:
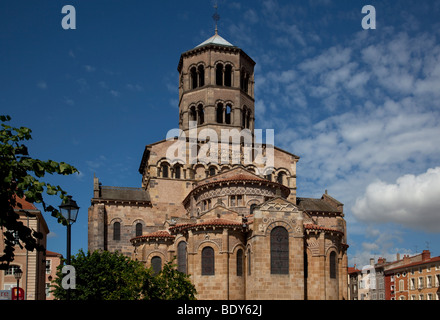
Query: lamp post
(17, 274)
(69, 209)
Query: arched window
(228, 75)
(251, 211)
(228, 114)
(280, 178)
(200, 114)
(156, 263)
(164, 168)
(117, 231)
(192, 114)
(244, 81)
(219, 74)
(181, 257)
(201, 73)
(239, 262)
(193, 78)
(212, 171)
(279, 251)
(220, 113)
(333, 265)
(177, 171)
(138, 229)
(208, 261)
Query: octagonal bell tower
(216, 87)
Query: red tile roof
(316, 227)
(219, 222)
(161, 234)
(413, 264)
(25, 205)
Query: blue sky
(360, 107)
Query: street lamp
(17, 274)
(69, 209)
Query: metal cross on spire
(216, 17)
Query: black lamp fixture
(17, 275)
(69, 209)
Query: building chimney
(397, 256)
(371, 261)
(426, 255)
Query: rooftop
(216, 39)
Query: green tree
(19, 177)
(104, 275)
(169, 284)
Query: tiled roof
(315, 205)
(413, 264)
(219, 222)
(25, 205)
(161, 234)
(316, 227)
(239, 178)
(124, 194)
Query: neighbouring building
(32, 263)
(415, 280)
(414, 277)
(236, 226)
(53, 260)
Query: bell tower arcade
(216, 87)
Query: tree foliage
(20, 176)
(103, 275)
(169, 284)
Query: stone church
(236, 227)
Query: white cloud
(89, 68)
(42, 85)
(413, 201)
(115, 93)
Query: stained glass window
(239, 262)
(181, 257)
(279, 251)
(208, 262)
(156, 263)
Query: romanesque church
(237, 228)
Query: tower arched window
(117, 231)
(192, 114)
(281, 177)
(181, 257)
(228, 113)
(138, 229)
(228, 75)
(239, 262)
(177, 171)
(244, 81)
(194, 79)
(208, 261)
(201, 75)
(164, 169)
(279, 251)
(200, 114)
(220, 113)
(156, 264)
(219, 74)
(333, 263)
